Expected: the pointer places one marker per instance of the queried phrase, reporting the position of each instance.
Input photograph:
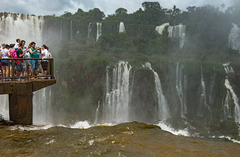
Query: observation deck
(21, 91)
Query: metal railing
(14, 75)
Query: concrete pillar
(21, 98)
(20, 104)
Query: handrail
(14, 62)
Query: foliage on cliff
(81, 62)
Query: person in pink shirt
(13, 55)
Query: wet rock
(1, 118)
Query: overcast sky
(58, 7)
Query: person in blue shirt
(34, 53)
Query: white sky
(58, 7)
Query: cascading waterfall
(178, 32)
(162, 102)
(89, 29)
(4, 106)
(42, 106)
(116, 105)
(234, 38)
(161, 28)
(228, 69)
(181, 85)
(97, 112)
(226, 107)
(99, 30)
(235, 100)
(122, 28)
(203, 99)
(27, 27)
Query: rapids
(129, 139)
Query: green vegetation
(81, 62)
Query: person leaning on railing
(20, 54)
(34, 55)
(45, 55)
(13, 55)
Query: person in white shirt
(27, 65)
(16, 46)
(45, 55)
(5, 54)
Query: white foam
(77, 125)
(91, 142)
(168, 128)
(229, 138)
(52, 141)
(81, 125)
(31, 128)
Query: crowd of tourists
(24, 67)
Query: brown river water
(129, 139)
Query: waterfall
(181, 85)
(122, 28)
(235, 100)
(99, 30)
(178, 32)
(228, 68)
(89, 29)
(203, 99)
(161, 28)
(162, 102)
(27, 27)
(226, 107)
(4, 106)
(116, 105)
(234, 38)
(97, 112)
(42, 106)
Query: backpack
(14, 55)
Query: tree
(151, 6)
(191, 9)
(96, 14)
(67, 14)
(121, 11)
(153, 13)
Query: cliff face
(202, 96)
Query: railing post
(8, 69)
(13, 70)
(17, 69)
(52, 69)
